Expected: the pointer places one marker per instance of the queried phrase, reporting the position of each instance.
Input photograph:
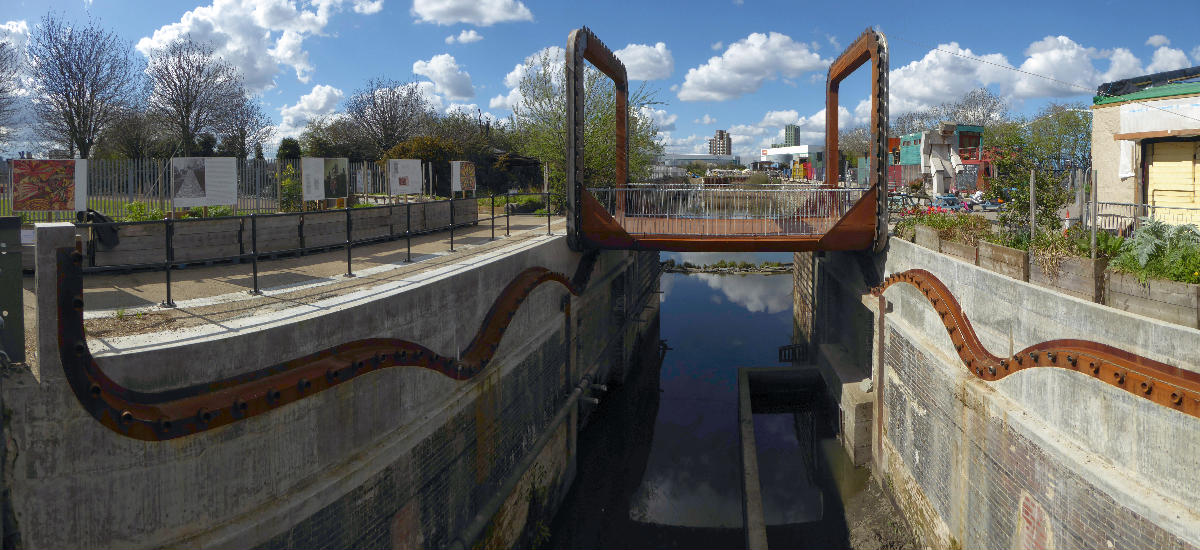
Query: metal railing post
(254, 251)
(507, 213)
(408, 229)
(349, 228)
(1092, 182)
(548, 213)
(168, 231)
(452, 223)
(492, 214)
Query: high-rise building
(791, 137)
(720, 144)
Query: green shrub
(220, 212)
(1161, 251)
(291, 191)
(142, 212)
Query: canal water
(659, 460)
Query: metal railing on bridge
(781, 210)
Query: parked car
(993, 205)
(951, 203)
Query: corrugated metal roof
(1182, 88)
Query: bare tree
(978, 107)
(132, 134)
(388, 112)
(856, 140)
(82, 76)
(192, 90)
(246, 128)
(8, 89)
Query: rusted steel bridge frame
(170, 414)
(590, 226)
(583, 46)
(1160, 383)
(870, 45)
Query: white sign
(1162, 114)
(199, 181)
(312, 172)
(404, 176)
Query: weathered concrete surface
(1042, 458)
(402, 457)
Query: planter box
(1079, 277)
(928, 238)
(966, 253)
(1004, 260)
(1169, 301)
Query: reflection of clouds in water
(665, 284)
(695, 503)
(756, 293)
(715, 299)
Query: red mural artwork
(43, 184)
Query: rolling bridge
(785, 218)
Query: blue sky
(745, 66)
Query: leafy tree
(539, 124)
(335, 136)
(1062, 133)
(1013, 160)
(83, 75)
(258, 151)
(133, 134)
(289, 148)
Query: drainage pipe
(484, 517)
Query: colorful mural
(49, 184)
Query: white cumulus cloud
(465, 37)
(705, 120)
(448, 79)
(512, 80)
(322, 100)
(644, 62)
(746, 64)
(717, 46)
(1158, 40)
(473, 12)
(665, 120)
(1196, 55)
(258, 36)
(1167, 59)
(1122, 64)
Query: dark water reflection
(659, 463)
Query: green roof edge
(1168, 90)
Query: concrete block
(49, 238)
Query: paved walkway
(122, 304)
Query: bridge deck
(699, 218)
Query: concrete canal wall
(402, 457)
(1045, 457)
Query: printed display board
(324, 178)
(404, 176)
(49, 185)
(200, 181)
(462, 176)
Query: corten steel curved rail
(157, 416)
(590, 225)
(1169, 386)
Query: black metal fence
(248, 235)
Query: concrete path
(123, 304)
